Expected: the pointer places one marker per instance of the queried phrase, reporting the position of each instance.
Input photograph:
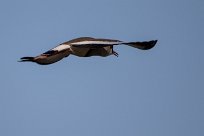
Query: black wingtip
(146, 45)
(150, 44)
(24, 59)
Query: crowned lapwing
(85, 47)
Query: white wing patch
(67, 46)
(61, 47)
(95, 42)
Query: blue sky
(158, 92)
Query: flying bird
(85, 47)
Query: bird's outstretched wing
(52, 56)
(94, 43)
(48, 57)
(99, 43)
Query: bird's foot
(115, 53)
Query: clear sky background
(159, 92)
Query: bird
(85, 47)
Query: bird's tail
(24, 59)
(142, 45)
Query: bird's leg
(115, 53)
